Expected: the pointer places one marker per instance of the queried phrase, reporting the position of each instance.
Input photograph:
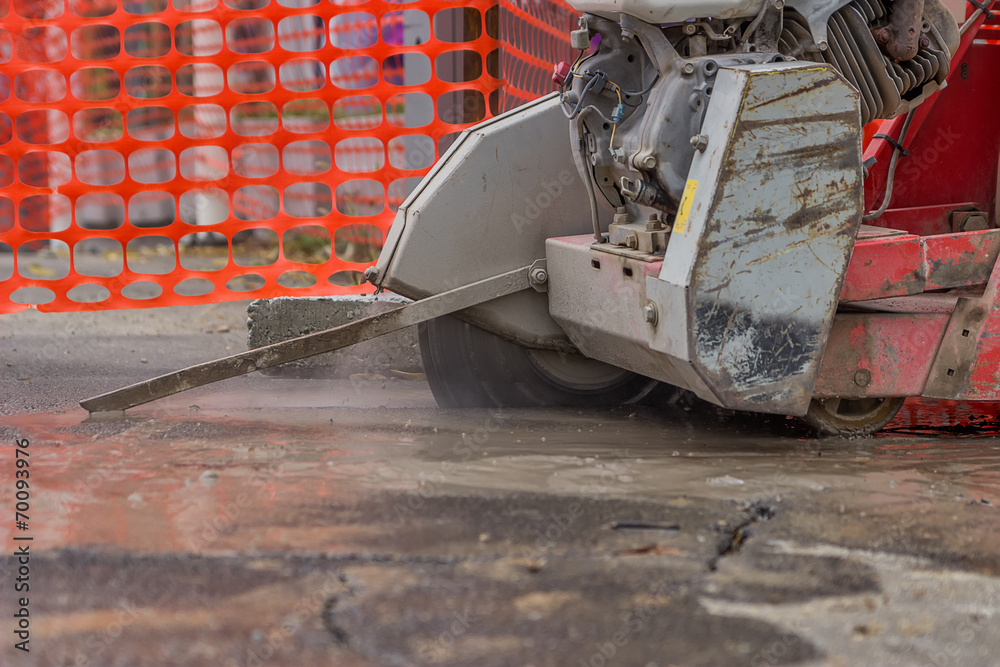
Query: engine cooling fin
(888, 87)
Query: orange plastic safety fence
(534, 36)
(137, 135)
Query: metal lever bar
(312, 344)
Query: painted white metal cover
(654, 11)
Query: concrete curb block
(274, 320)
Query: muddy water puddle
(218, 479)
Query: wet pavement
(337, 522)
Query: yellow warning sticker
(681, 223)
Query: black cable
(891, 175)
(583, 95)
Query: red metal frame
(920, 307)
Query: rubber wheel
(843, 416)
(469, 367)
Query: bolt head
(649, 161)
(649, 314)
(539, 276)
(688, 68)
(863, 377)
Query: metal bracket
(892, 142)
(336, 338)
(984, 7)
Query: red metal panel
(922, 220)
(885, 266)
(957, 260)
(888, 266)
(879, 354)
(967, 364)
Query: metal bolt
(649, 314)
(649, 161)
(621, 216)
(539, 276)
(699, 142)
(688, 68)
(654, 224)
(632, 241)
(863, 378)
(371, 274)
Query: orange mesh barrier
(156, 153)
(534, 36)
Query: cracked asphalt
(270, 521)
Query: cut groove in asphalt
(737, 537)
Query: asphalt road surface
(269, 521)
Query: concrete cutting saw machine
(695, 206)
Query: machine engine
(637, 104)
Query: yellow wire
(614, 128)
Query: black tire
(469, 367)
(850, 417)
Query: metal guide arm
(312, 344)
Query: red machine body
(920, 307)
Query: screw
(688, 68)
(649, 314)
(539, 276)
(371, 274)
(649, 161)
(699, 142)
(863, 378)
(632, 241)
